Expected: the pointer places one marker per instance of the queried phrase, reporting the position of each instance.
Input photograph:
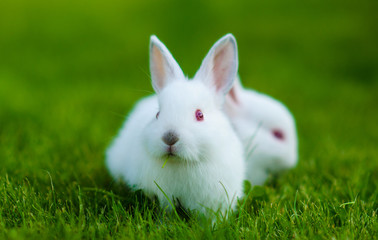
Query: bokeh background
(71, 70)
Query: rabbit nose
(170, 138)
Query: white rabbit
(184, 127)
(267, 130)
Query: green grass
(71, 70)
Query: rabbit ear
(163, 66)
(218, 69)
(235, 90)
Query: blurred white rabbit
(184, 128)
(267, 130)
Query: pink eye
(278, 134)
(157, 115)
(199, 115)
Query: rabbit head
(265, 126)
(189, 120)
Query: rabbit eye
(157, 115)
(199, 115)
(277, 133)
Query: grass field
(71, 70)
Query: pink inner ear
(233, 95)
(277, 133)
(222, 66)
(158, 66)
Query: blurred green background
(71, 70)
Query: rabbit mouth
(171, 151)
(170, 155)
(177, 153)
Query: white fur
(207, 170)
(254, 116)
